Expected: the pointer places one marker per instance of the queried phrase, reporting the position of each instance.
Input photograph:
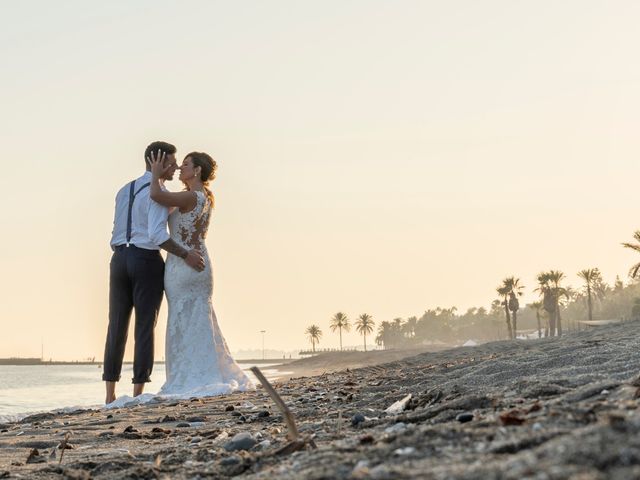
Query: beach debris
(296, 441)
(38, 417)
(160, 430)
(220, 438)
(232, 460)
(288, 416)
(399, 406)
(617, 421)
(361, 470)
(512, 417)
(131, 433)
(63, 446)
(229, 408)
(52, 455)
(399, 427)
(168, 418)
(402, 452)
(240, 441)
(535, 407)
(264, 444)
(197, 419)
(183, 425)
(35, 457)
(357, 419)
(367, 439)
(464, 417)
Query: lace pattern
(197, 359)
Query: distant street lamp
(263, 332)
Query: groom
(136, 279)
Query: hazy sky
(374, 156)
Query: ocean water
(27, 389)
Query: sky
(380, 157)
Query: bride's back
(190, 228)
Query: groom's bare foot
(138, 388)
(111, 392)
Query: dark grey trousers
(136, 283)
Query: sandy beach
(543, 409)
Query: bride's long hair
(208, 167)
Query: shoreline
(17, 414)
(31, 362)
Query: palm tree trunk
(340, 338)
(558, 320)
(552, 322)
(313, 345)
(514, 321)
(546, 325)
(589, 301)
(539, 327)
(365, 341)
(508, 317)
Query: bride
(197, 359)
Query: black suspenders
(132, 197)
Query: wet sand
(543, 409)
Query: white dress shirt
(148, 218)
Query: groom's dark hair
(164, 147)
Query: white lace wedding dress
(197, 359)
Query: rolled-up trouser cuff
(110, 378)
(144, 380)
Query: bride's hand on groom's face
(156, 162)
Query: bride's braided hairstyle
(208, 167)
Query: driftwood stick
(63, 446)
(288, 416)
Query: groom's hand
(195, 260)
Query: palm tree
(633, 273)
(503, 290)
(555, 277)
(515, 291)
(410, 326)
(591, 277)
(314, 334)
(384, 334)
(364, 326)
(339, 322)
(537, 307)
(548, 302)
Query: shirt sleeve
(157, 223)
